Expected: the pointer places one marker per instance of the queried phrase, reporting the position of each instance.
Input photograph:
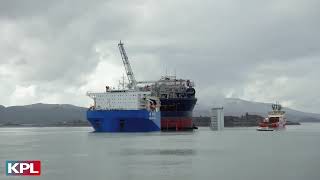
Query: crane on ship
(133, 83)
(132, 80)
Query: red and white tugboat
(275, 121)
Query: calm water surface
(237, 153)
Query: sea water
(231, 154)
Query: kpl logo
(23, 168)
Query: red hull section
(176, 124)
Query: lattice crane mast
(132, 81)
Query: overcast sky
(55, 51)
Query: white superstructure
(123, 100)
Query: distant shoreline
(26, 126)
(202, 121)
(50, 125)
(235, 121)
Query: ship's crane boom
(132, 81)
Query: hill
(239, 107)
(42, 114)
(70, 115)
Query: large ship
(276, 119)
(177, 97)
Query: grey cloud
(224, 46)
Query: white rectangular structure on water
(217, 119)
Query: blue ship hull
(124, 120)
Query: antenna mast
(132, 81)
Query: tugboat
(275, 121)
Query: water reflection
(162, 152)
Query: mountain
(238, 107)
(42, 114)
(65, 114)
